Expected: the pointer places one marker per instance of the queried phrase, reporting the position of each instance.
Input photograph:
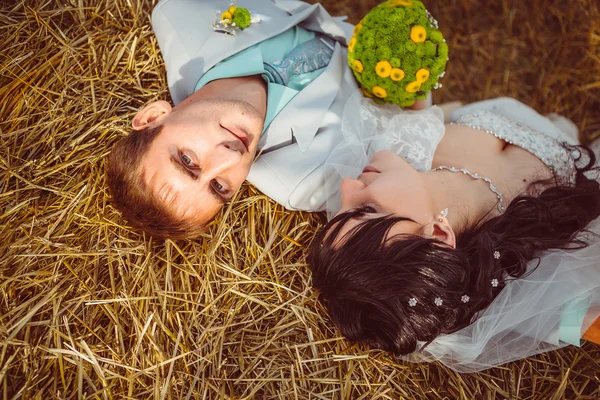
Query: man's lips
(240, 134)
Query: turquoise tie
(306, 57)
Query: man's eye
(186, 159)
(218, 187)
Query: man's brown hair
(132, 196)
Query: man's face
(202, 156)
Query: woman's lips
(369, 168)
(367, 179)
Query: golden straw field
(92, 309)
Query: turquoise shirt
(250, 62)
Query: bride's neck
(468, 200)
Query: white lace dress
(550, 308)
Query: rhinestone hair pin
(438, 302)
(465, 298)
(497, 255)
(495, 282)
(412, 302)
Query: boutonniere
(236, 19)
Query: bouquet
(397, 53)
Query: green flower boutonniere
(236, 16)
(235, 19)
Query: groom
(277, 89)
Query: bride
(468, 243)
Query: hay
(91, 309)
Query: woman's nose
(352, 193)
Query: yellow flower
(422, 75)
(351, 44)
(367, 94)
(413, 87)
(418, 34)
(226, 16)
(358, 27)
(358, 67)
(379, 92)
(406, 3)
(397, 74)
(383, 68)
(231, 10)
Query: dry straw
(91, 309)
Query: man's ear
(152, 114)
(442, 231)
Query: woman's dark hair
(366, 280)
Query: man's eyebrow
(218, 196)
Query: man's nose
(222, 157)
(353, 193)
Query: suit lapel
(302, 116)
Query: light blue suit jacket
(301, 137)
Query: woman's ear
(152, 113)
(442, 231)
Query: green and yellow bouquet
(397, 53)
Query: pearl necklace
(477, 176)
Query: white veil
(548, 309)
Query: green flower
(422, 20)
(399, 51)
(411, 63)
(384, 53)
(241, 17)
(400, 33)
(369, 80)
(420, 7)
(420, 50)
(411, 16)
(406, 99)
(430, 50)
(369, 59)
(443, 50)
(365, 38)
(387, 84)
(438, 67)
(383, 39)
(396, 16)
(435, 36)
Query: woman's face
(388, 185)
